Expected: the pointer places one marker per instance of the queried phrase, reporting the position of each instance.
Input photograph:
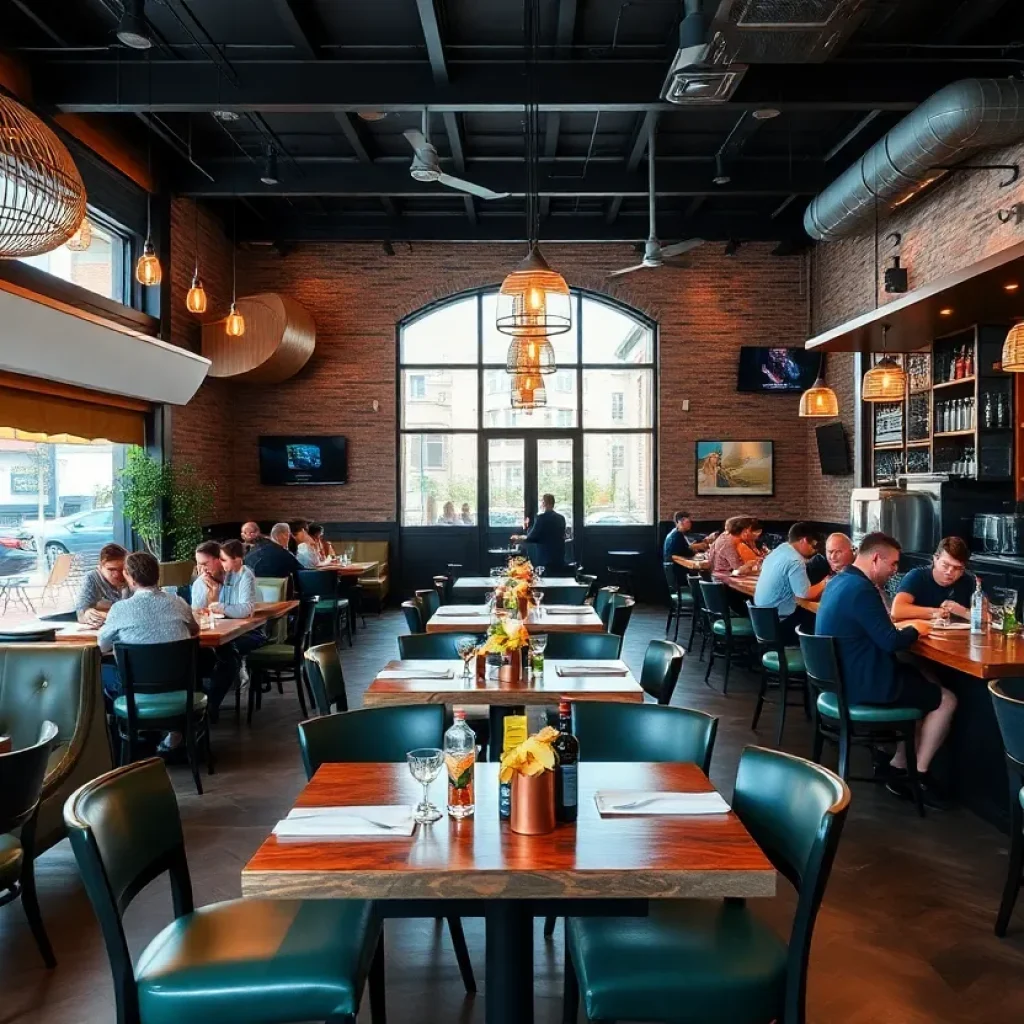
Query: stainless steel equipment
(1000, 534)
(910, 516)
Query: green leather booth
(59, 682)
(376, 583)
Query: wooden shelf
(952, 383)
(888, 446)
(919, 444)
(954, 433)
(921, 391)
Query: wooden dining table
(221, 632)
(485, 584)
(469, 618)
(606, 866)
(353, 569)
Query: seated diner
(102, 587)
(783, 579)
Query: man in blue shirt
(853, 612)
(678, 544)
(783, 579)
(944, 586)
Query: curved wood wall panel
(278, 341)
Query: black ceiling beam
(569, 228)
(740, 133)
(297, 32)
(566, 29)
(552, 125)
(42, 25)
(115, 86)
(968, 18)
(852, 134)
(601, 180)
(645, 124)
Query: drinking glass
(538, 570)
(466, 646)
(497, 571)
(425, 764)
(538, 600)
(538, 644)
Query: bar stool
(621, 575)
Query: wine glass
(425, 765)
(466, 646)
(538, 600)
(538, 570)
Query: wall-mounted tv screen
(833, 451)
(293, 460)
(776, 370)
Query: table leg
(509, 985)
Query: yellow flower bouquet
(520, 569)
(505, 637)
(533, 756)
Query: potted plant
(508, 639)
(530, 767)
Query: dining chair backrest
(672, 580)
(60, 571)
(609, 731)
(715, 599)
(441, 584)
(125, 832)
(622, 612)
(429, 602)
(663, 661)
(370, 735)
(146, 669)
(591, 582)
(413, 616)
(21, 779)
(564, 595)
(584, 646)
(326, 679)
(821, 663)
(1008, 702)
(272, 589)
(302, 636)
(432, 646)
(320, 584)
(603, 603)
(693, 581)
(765, 622)
(795, 811)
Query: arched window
(468, 458)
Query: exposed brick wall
(952, 228)
(357, 294)
(202, 430)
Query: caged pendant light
(528, 391)
(534, 300)
(234, 325)
(885, 381)
(1013, 349)
(195, 301)
(42, 197)
(819, 400)
(82, 238)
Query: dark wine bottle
(567, 752)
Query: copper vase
(524, 607)
(533, 804)
(511, 670)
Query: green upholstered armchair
(61, 683)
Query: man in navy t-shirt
(679, 545)
(945, 585)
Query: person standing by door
(547, 535)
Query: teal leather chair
(326, 679)
(327, 590)
(730, 637)
(714, 962)
(59, 683)
(429, 601)
(432, 646)
(413, 616)
(375, 735)
(603, 604)
(285, 659)
(663, 661)
(848, 725)
(621, 612)
(781, 666)
(1008, 701)
(22, 771)
(243, 961)
(680, 600)
(584, 646)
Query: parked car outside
(16, 559)
(82, 534)
(613, 519)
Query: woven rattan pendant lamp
(1013, 349)
(819, 400)
(42, 198)
(885, 381)
(534, 300)
(528, 391)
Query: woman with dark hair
(320, 543)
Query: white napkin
(644, 802)
(565, 609)
(461, 611)
(415, 673)
(937, 628)
(591, 670)
(312, 824)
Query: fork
(635, 803)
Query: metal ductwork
(947, 128)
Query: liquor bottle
(567, 754)
(970, 361)
(951, 366)
(1002, 410)
(987, 413)
(977, 609)
(513, 733)
(460, 760)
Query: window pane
(441, 399)
(439, 479)
(560, 410)
(496, 344)
(554, 472)
(610, 336)
(92, 269)
(506, 489)
(618, 398)
(617, 479)
(445, 335)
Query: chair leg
(783, 694)
(728, 665)
(255, 685)
(462, 953)
(693, 632)
(679, 618)
(377, 986)
(549, 926)
(298, 690)
(31, 904)
(193, 760)
(668, 622)
(912, 777)
(1014, 870)
(819, 742)
(570, 991)
(208, 750)
(711, 661)
(759, 705)
(844, 752)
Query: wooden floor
(904, 936)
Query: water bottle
(460, 761)
(977, 609)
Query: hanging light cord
(531, 36)
(234, 250)
(196, 238)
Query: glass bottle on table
(567, 757)
(514, 731)
(460, 762)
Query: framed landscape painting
(735, 468)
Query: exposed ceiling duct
(947, 128)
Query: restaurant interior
(466, 473)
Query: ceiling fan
(655, 253)
(427, 167)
